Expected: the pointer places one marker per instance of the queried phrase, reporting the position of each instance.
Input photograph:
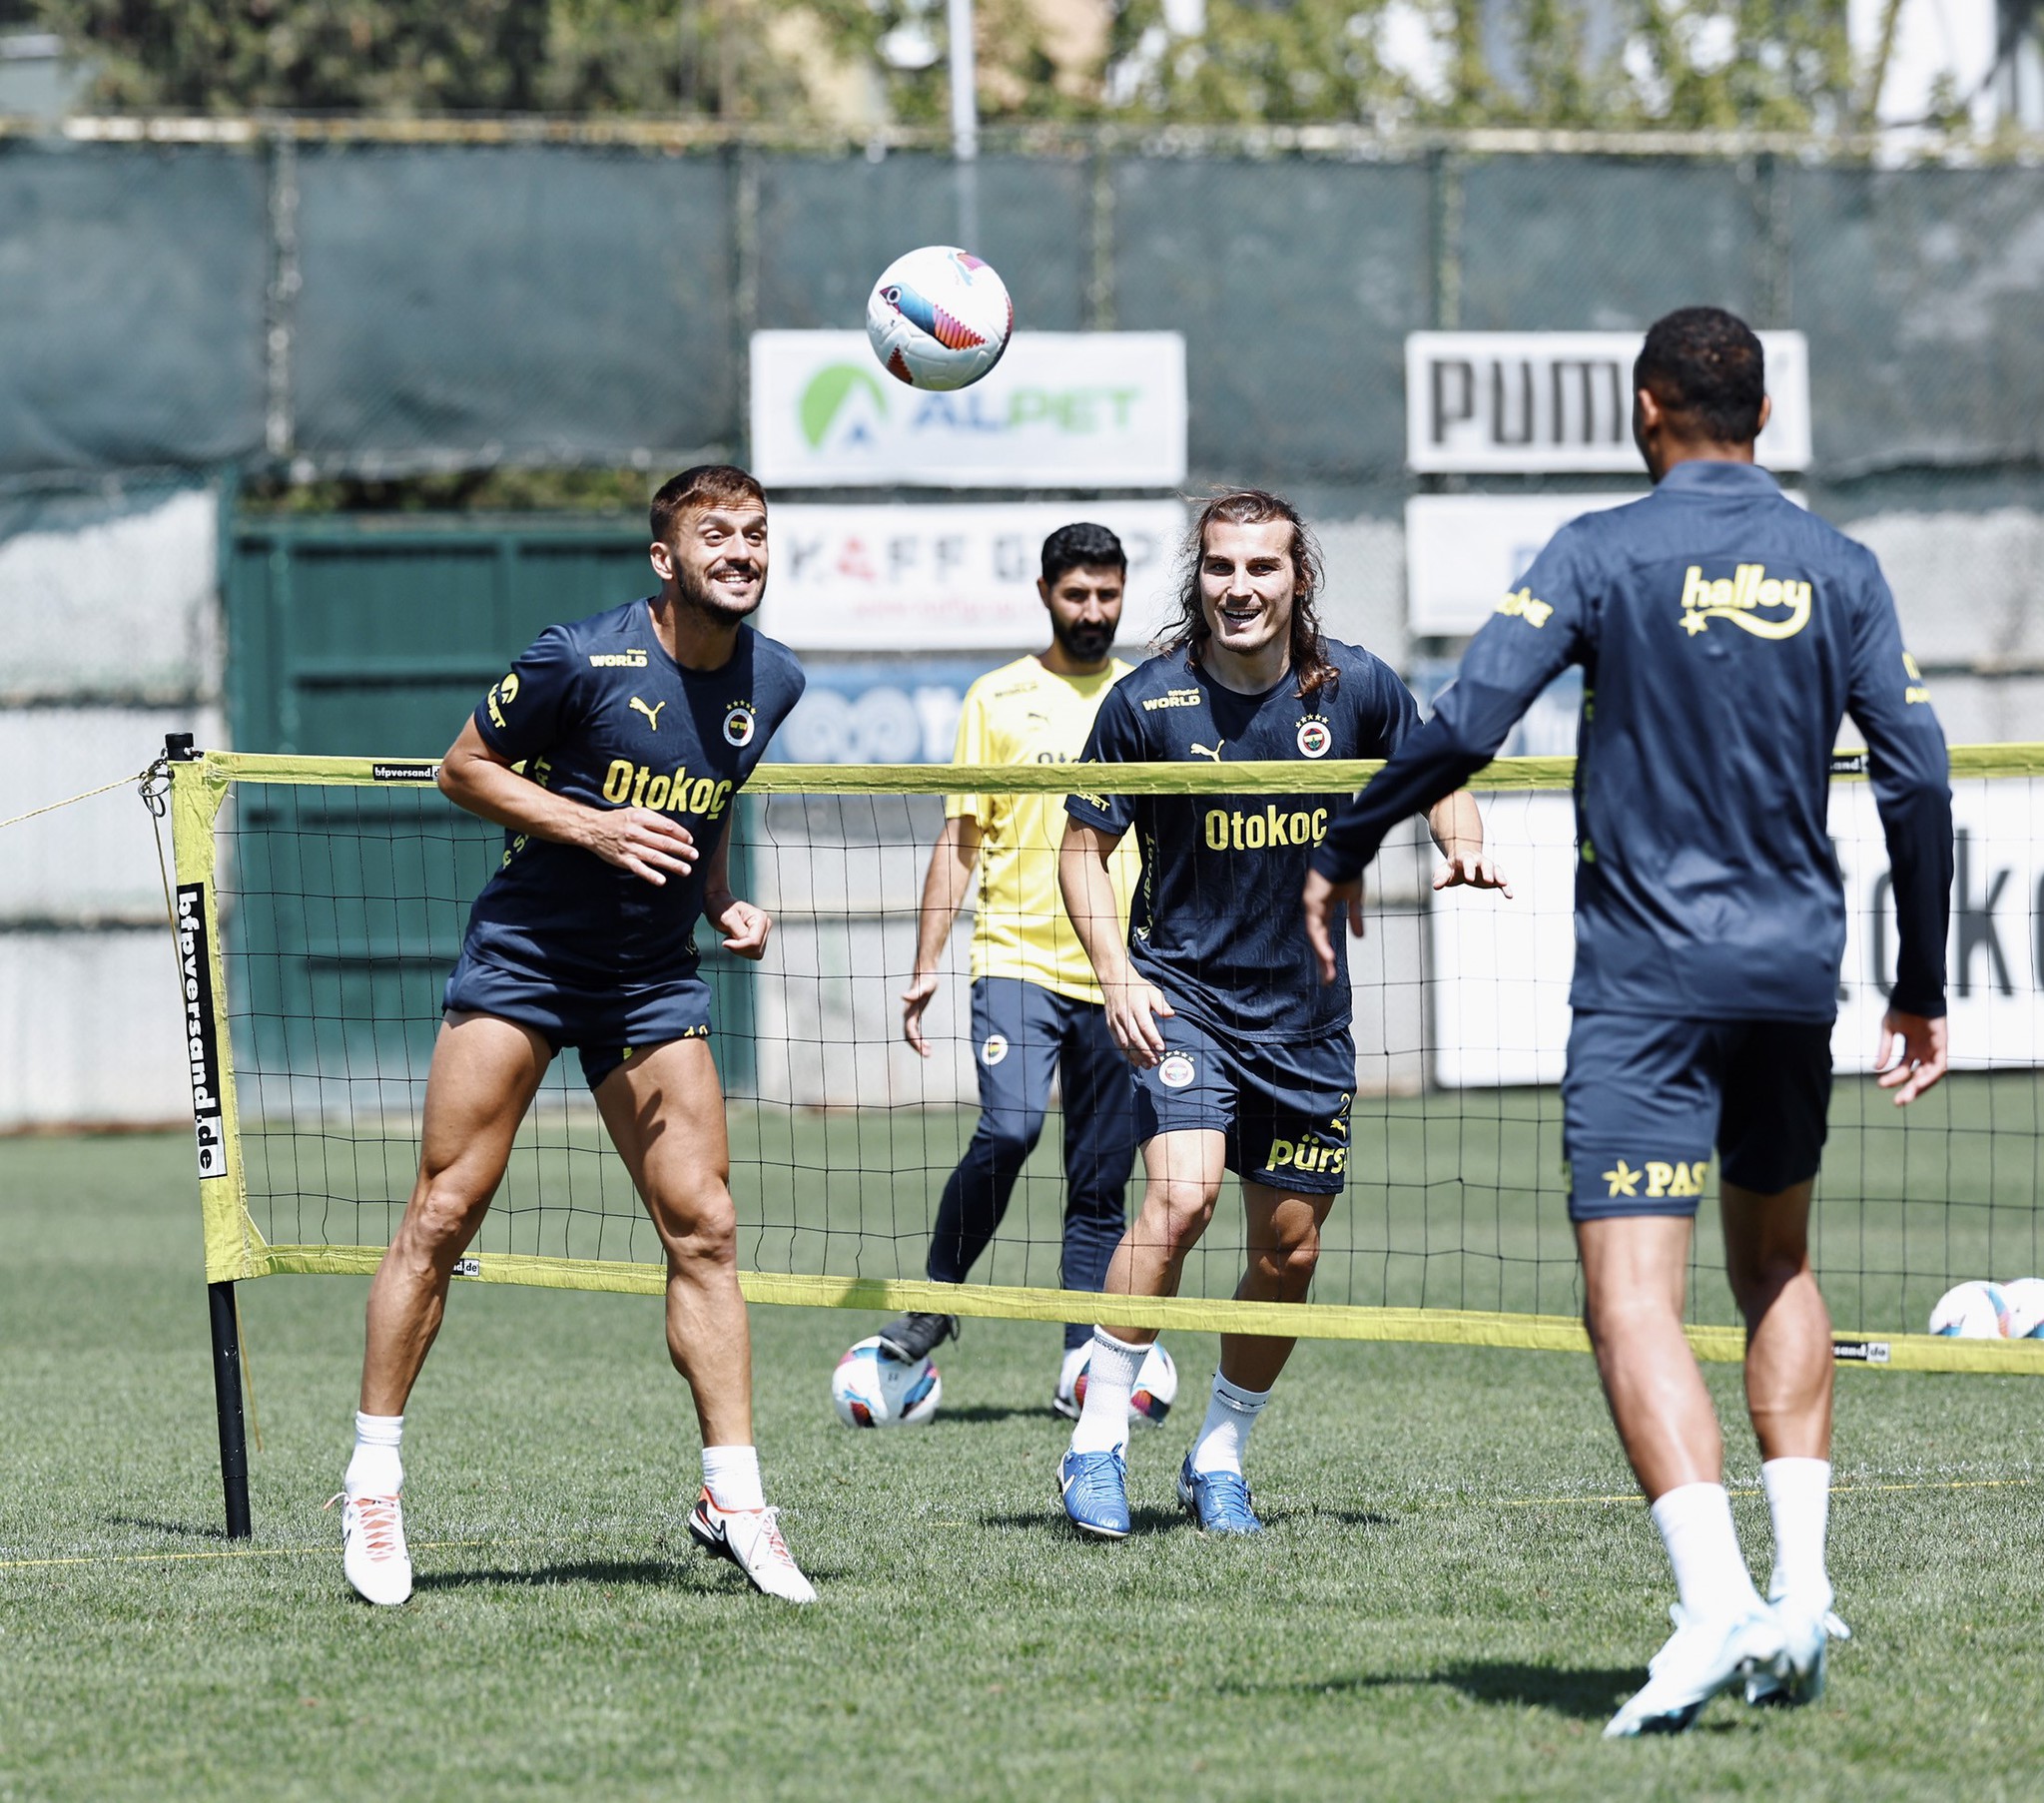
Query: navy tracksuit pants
(1022, 1036)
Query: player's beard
(701, 596)
(1083, 642)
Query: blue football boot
(1094, 1487)
(1219, 1502)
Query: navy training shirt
(597, 711)
(1212, 923)
(1723, 634)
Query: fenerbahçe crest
(1315, 736)
(740, 723)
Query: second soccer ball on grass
(1971, 1311)
(1156, 1388)
(871, 1389)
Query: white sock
(1109, 1383)
(375, 1469)
(1799, 1499)
(731, 1477)
(1710, 1571)
(1067, 1373)
(1224, 1437)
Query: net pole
(227, 1402)
(196, 926)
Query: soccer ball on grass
(939, 318)
(1156, 1386)
(871, 1389)
(2025, 1300)
(1971, 1311)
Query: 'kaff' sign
(953, 575)
(1065, 410)
(1533, 402)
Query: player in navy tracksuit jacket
(1724, 633)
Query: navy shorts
(1647, 1099)
(1283, 1106)
(605, 1027)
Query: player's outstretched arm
(647, 843)
(1911, 1054)
(1134, 1006)
(944, 886)
(1457, 827)
(744, 926)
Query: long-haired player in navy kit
(1242, 1060)
(611, 755)
(1723, 634)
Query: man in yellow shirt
(1037, 1006)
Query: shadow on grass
(682, 1573)
(987, 1411)
(1315, 1512)
(1141, 1520)
(659, 1573)
(184, 1531)
(1587, 1693)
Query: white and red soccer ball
(1156, 1386)
(871, 1389)
(939, 318)
(1971, 1311)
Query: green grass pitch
(1455, 1592)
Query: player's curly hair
(1257, 507)
(1707, 368)
(705, 485)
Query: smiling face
(1247, 583)
(716, 567)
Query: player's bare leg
(664, 1108)
(1183, 1171)
(1633, 1279)
(665, 1112)
(1634, 1272)
(1788, 1374)
(1789, 1328)
(1284, 1246)
(483, 1075)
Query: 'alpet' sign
(1065, 410)
(1538, 403)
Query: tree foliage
(1670, 64)
(1625, 64)
(716, 57)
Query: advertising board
(948, 576)
(1061, 409)
(1501, 969)
(1553, 402)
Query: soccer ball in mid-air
(2025, 1300)
(1971, 1311)
(871, 1389)
(939, 318)
(1156, 1386)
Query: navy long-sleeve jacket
(1723, 634)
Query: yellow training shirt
(1024, 714)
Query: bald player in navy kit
(1724, 633)
(612, 754)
